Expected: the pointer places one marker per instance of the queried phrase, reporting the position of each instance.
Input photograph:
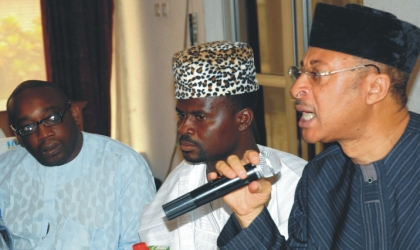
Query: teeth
(307, 116)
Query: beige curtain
(142, 91)
(129, 91)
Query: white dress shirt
(200, 228)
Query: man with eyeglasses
(363, 191)
(63, 188)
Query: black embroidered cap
(367, 33)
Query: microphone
(218, 188)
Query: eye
(53, 117)
(200, 117)
(52, 120)
(29, 128)
(313, 74)
(181, 115)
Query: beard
(193, 158)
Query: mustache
(187, 139)
(301, 102)
(298, 101)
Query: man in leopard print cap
(216, 92)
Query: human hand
(246, 202)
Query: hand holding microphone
(222, 186)
(247, 202)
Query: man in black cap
(363, 191)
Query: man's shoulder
(414, 123)
(187, 172)
(332, 154)
(183, 164)
(407, 147)
(106, 143)
(288, 160)
(108, 149)
(14, 160)
(285, 156)
(90, 137)
(14, 155)
(182, 179)
(181, 169)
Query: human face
(50, 146)
(333, 108)
(207, 129)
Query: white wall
(409, 11)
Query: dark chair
(158, 183)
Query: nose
(300, 88)
(185, 126)
(44, 132)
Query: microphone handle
(207, 193)
(222, 186)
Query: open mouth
(307, 116)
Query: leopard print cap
(214, 69)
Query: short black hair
(241, 101)
(399, 80)
(34, 84)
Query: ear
(245, 118)
(75, 112)
(378, 86)
(19, 138)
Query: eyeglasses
(51, 120)
(295, 72)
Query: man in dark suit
(363, 191)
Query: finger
(262, 186)
(251, 156)
(224, 169)
(237, 166)
(212, 176)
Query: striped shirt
(342, 205)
